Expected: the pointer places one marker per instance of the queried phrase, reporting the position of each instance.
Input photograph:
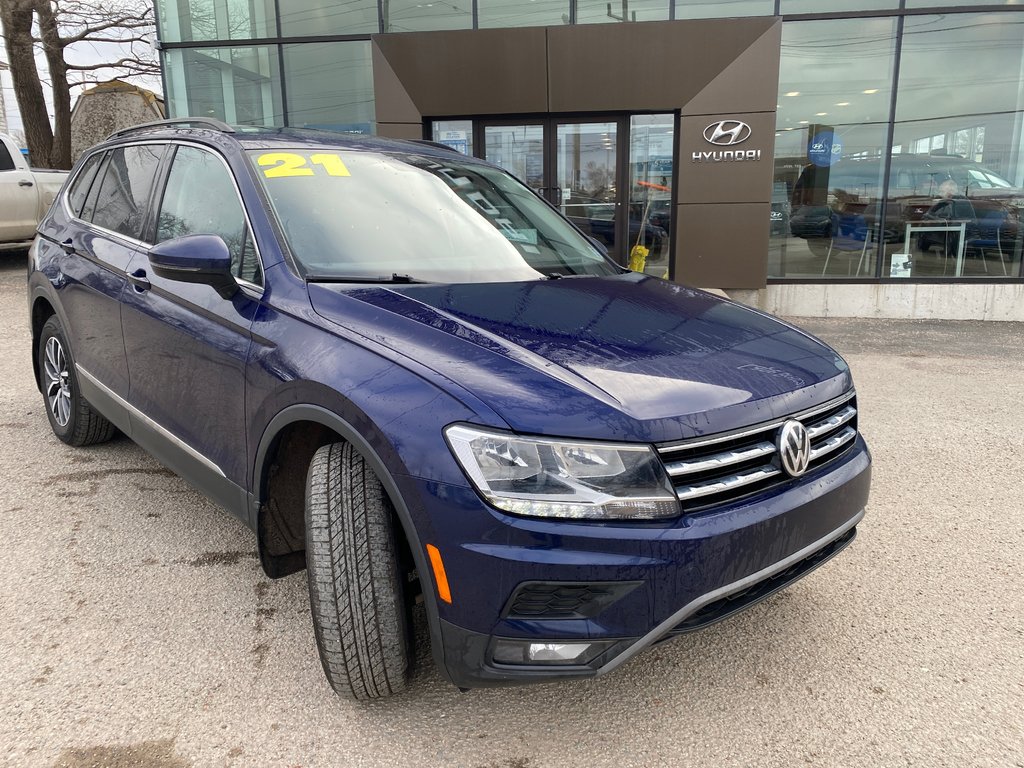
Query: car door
(99, 228)
(186, 345)
(19, 200)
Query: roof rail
(202, 122)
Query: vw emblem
(725, 133)
(794, 448)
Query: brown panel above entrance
(647, 66)
(480, 72)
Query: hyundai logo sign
(725, 133)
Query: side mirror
(195, 259)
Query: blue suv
(410, 375)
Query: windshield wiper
(394, 278)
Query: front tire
(71, 417)
(355, 588)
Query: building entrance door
(610, 175)
(571, 162)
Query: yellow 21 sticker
(281, 164)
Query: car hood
(630, 356)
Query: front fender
(399, 498)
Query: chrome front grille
(710, 471)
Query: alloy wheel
(58, 385)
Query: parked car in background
(25, 194)
(989, 225)
(410, 375)
(597, 220)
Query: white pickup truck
(25, 195)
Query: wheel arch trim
(329, 419)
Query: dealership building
(855, 157)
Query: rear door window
(124, 192)
(963, 209)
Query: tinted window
(201, 199)
(124, 192)
(6, 162)
(83, 181)
(962, 209)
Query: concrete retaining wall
(917, 301)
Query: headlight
(555, 478)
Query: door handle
(24, 183)
(139, 281)
(68, 246)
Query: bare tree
(124, 26)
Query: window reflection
(519, 149)
(418, 16)
(516, 13)
(651, 144)
(200, 199)
(330, 86)
(705, 9)
(835, 87)
(955, 186)
(120, 204)
(438, 219)
(238, 85)
(182, 20)
(457, 134)
(602, 12)
(816, 6)
(327, 17)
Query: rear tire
(355, 587)
(72, 419)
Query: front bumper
(688, 573)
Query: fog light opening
(548, 652)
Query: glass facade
(309, 18)
(419, 16)
(237, 85)
(516, 13)
(651, 150)
(934, 189)
(702, 9)
(185, 20)
(899, 148)
(835, 91)
(603, 12)
(788, 7)
(330, 86)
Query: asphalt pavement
(136, 627)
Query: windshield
(366, 215)
(966, 179)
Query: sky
(80, 53)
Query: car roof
(258, 137)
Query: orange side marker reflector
(439, 575)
